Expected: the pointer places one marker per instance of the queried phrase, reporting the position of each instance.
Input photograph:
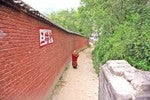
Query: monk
(75, 56)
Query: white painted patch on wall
(45, 37)
(2, 34)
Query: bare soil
(80, 83)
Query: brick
(28, 71)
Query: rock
(140, 83)
(118, 80)
(121, 88)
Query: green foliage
(126, 33)
(124, 26)
(72, 20)
(66, 18)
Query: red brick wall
(28, 71)
(80, 42)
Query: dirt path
(78, 84)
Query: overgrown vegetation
(125, 34)
(124, 26)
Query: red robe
(74, 60)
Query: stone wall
(118, 80)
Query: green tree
(125, 32)
(123, 24)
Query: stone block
(121, 88)
(120, 81)
(130, 74)
(118, 67)
(143, 96)
(140, 83)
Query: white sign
(45, 37)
